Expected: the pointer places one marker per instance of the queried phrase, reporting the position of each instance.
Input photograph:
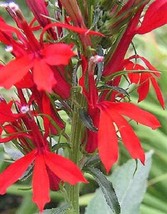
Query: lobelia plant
(71, 109)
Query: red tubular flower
(39, 9)
(41, 62)
(61, 167)
(30, 54)
(144, 79)
(108, 117)
(6, 115)
(111, 120)
(155, 17)
(47, 109)
(47, 165)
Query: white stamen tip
(9, 48)
(13, 6)
(24, 109)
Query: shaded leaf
(98, 204)
(87, 120)
(129, 185)
(107, 189)
(60, 210)
(115, 88)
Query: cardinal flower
(112, 120)
(145, 78)
(154, 17)
(40, 58)
(44, 163)
(49, 168)
(41, 62)
(109, 118)
(6, 115)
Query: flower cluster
(60, 65)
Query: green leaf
(107, 190)
(130, 188)
(98, 204)
(60, 210)
(87, 120)
(129, 184)
(115, 88)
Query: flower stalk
(76, 137)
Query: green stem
(76, 135)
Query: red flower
(49, 168)
(6, 115)
(154, 17)
(41, 62)
(61, 167)
(112, 121)
(39, 9)
(144, 78)
(34, 55)
(108, 117)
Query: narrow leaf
(107, 189)
(129, 186)
(87, 120)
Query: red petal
(64, 168)
(39, 9)
(15, 171)
(155, 17)
(158, 92)
(128, 136)
(14, 71)
(40, 183)
(132, 111)
(151, 67)
(91, 141)
(143, 88)
(9, 29)
(43, 76)
(70, 27)
(134, 77)
(13, 133)
(25, 82)
(6, 114)
(63, 87)
(107, 140)
(53, 180)
(57, 54)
